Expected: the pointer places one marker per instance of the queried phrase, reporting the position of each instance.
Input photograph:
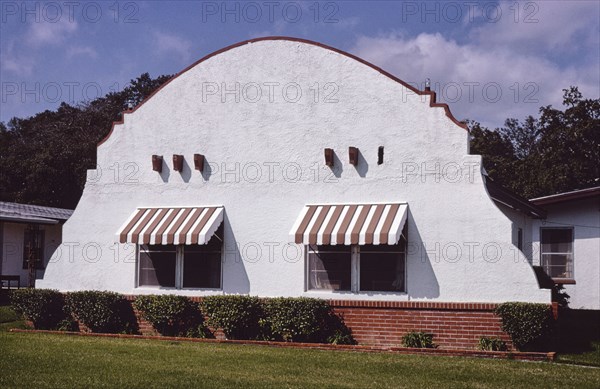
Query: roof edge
(567, 196)
(431, 94)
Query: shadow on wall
(166, 171)
(338, 166)
(235, 277)
(186, 171)
(363, 166)
(421, 281)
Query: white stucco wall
(583, 215)
(525, 223)
(451, 218)
(13, 246)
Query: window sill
(564, 281)
(180, 292)
(370, 296)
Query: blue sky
(488, 60)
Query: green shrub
(418, 340)
(529, 325)
(172, 315)
(102, 311)
(238, 316)
(491, 344)
(43, 307)
(304, 320)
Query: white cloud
(499, 57)
(43, 32)
(172, 44)
(552, 25)
(14, 62)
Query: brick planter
(455, 326)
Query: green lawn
(589, 358)
(55, 361)
(41, 360)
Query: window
(382, 268)
(33, 247)
(170, 266)
(329, 267)
(368, 268)
(557, 252)
(520, 239)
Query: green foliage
(560, 296)
(102, 311)
(45, 157)
(172, 315)
(554, 153)
(238, 316)
(304, 320)
(43, 307)
(529, 325)
(418, 340)
(491, 344)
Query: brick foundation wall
(454, 325)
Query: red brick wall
(454, 325)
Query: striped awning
(181, 225)
(331, 224)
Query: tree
(556, 153)
(45, 158)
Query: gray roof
(25, 213)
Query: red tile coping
(518, 355)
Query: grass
(587, 358)
(55, 361)
(44, 361)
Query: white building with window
(282, 167)
(29, 236)
(566, 244)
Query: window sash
(211, 281)
(357, 281)
(555, 246)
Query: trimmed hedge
(45, 308)
(172, 315)
(238, 316)
(105, 312)
(304, 320)
(529, 325)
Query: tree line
(44, 158)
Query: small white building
(28, 232)
(566, 244)
(283, 167)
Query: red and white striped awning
(331, 224)
(181, 225)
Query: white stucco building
(303, 171)
(566, 244)
(28, 233)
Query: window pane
(382, 271)
(558, 265)
(201, 270)
(157, 266)
(557, 240)
(329, 267)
